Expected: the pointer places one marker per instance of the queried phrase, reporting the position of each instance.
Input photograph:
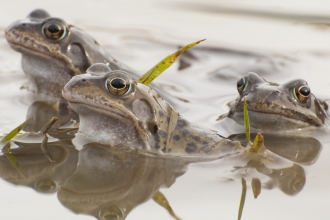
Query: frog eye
(302, 93)
(117, 85)
(54, 30)
(241, 85)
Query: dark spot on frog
(205, 143)
(181, 123)
(164, 149)
(161, 114)
(162, 133)
(186, 133)
(196, 138)
(176, 137)
(164, 143)
(157, 141)
(169, 150)
(190, 148)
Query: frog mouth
(38, 51)
(83, 107)
(31, 50)
(25, 45)
(296, 116)
(18, 43)
(113, 112)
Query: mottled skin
(139, 119)
(51, 63)
(277, 107)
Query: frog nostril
(278, 91)
(84, 80)
(23, 24)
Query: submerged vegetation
(7, 142)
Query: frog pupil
(305, 91)
(118, 83)
(53, 28)
(240, 83)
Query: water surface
(280, 41)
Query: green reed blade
(14, 132)
(257, 143)
(241, 204)
(246, 123)
(160, 67)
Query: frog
(275, 107)
(119, 112)
(54, 51)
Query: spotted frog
(54, 51)
(277, 107)
(117, 111)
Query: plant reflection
(280, 161)
(40, 173)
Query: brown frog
(117, 111)
(277, 107)
(54, 51)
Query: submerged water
(280, 43)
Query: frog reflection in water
(277, 107)
(53, 51)
(120, 181)
(115, 110)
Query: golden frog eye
(302, 93)
(54, 30)
(241, 85)
(117, 86)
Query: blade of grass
(246, 123)
(48, 125)
(257, 143)
(160, 67)
(14, 132)
(241, 204)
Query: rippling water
(279, 41)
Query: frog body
(278, 107)
(54, 51)
(135, 115)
